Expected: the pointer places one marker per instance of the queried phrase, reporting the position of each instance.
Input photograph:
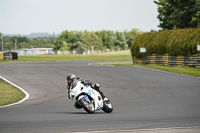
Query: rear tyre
(89, 107)
(107, 107)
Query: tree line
(99, 40)
(20, 42)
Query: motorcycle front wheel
(89, 107)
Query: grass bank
(180, 70)
(9, 94)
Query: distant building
(35, 51)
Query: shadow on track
(75, 113)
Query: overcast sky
(28, 16)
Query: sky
(55, 16)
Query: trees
(131, 35)
(84, 40)
(19, 42)
(11, 43)
(65, 36)
(65, 46)
(196, 18)
(92, 40)
(178, 14)
(108, 38)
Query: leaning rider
(72, 81)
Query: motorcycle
(89, 99)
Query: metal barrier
(166, 60)
(196, 59)
(172, 60)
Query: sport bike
(89, 99)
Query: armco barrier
(159, 60)
(180, 60)
(196, 59)
(153, 59)
(172, 61)
(167, 60)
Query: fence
(166, 60)
(88, 52)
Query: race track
(142, 99)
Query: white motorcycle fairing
(80, 91)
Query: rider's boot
(102, 94)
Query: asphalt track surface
(142, 99)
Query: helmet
(70, 78)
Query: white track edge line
(90, 64)
(140, 130)
(21, 89)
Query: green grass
(122, 55)
(9, 94)
(180, 70)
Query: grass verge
(9, 94)
(121, 55)
(180, 70)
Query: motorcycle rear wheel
(107, 107)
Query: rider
(72, 81)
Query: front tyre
(89, 107)
(107, 107)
